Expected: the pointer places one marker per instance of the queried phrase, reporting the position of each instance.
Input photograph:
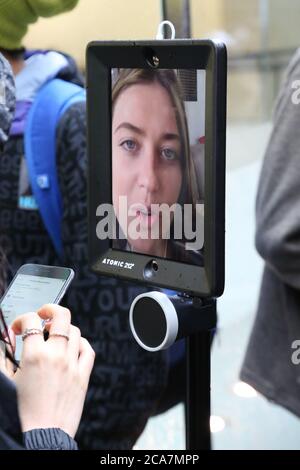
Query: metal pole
(265, 68)
(186, 19)
(197, 406)
(164, 14)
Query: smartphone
(169, 233)
(33, 286)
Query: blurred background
(261, 36)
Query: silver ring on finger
(59, 335)
(31, 331)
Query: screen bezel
(203, 281)
(55, 272)
(39, 270)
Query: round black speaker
(153, 321)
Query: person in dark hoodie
(40, 401)
(127, 381)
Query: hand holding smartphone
(33, 286)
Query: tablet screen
(158, 150)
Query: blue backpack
(54, 98)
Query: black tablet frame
(205, 281)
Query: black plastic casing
(202, 281)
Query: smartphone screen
(32, 287)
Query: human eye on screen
(169, 154)
(129, 145)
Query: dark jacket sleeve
(278, 200)
(10, 429)
(48, 439)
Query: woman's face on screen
(146, 161)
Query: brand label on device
(117, 263)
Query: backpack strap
(50, 104)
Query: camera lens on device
(151, 57)
(154, 266)
(151, 269)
